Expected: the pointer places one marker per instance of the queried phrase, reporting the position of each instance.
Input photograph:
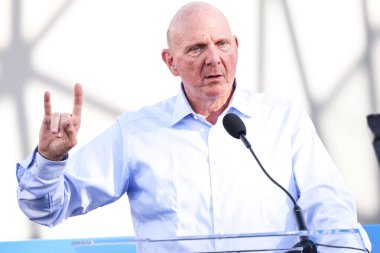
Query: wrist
(50, 157)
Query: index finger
(78, 100)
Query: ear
(168, 59)
(236, 41)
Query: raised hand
(58, 133)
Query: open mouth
(214, 76)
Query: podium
(337, 240)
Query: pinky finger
(47, 104)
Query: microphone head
(234, 125)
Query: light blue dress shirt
(185, 176)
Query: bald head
(203, 53)
(191, 15)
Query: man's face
(204, 54)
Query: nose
(212, 56)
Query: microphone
(236, 128)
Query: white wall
(313, 51)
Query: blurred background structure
(324, 54)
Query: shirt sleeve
(39, 183)
(49, 191)
(326, 200)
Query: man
(184, 175)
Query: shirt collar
(238, 104)
(182, 107)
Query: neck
(212, 112)
(211, 109)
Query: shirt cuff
(46, 169)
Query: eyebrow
(200, 43)
(190, 46)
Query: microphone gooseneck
(236, 128)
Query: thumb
(71, 134)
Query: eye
(223, 44)
(196, 50)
